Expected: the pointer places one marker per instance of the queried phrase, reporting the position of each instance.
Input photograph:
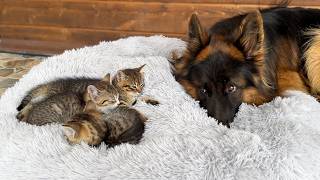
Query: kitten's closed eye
(104, 102)
(130, 88)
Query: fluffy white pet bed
(278, 140)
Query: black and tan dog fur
(251, 58)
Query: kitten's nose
(139, 90)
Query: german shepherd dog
(251, 58)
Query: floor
(14, 66)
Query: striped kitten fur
(125, 125)
(129, 83)
(58, 108)
(121, 125)
(87, 127)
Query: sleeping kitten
(61, 107)
(120, 125)
(130, 83)
(88, 126)
(126, 78)
(42, 92)
(125, 124)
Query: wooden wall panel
(66, 24)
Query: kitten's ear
(89, 106)
(107, 78)
(120, 76)
(93, 92)
(69, 131)
(140, 69)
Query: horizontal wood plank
(223, 2)
(51, 40)
(71, 34)
(122, 16)
(26, 46)
(234, 2)
(255, 2)
(75, 23)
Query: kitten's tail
(24, 102)
(39, 92)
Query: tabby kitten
(88, 126)
(61, 107)
(130, 83)
(42, 92)
(125, 125)
(121, 125)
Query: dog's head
(224, 67)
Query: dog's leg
(312, 61)
(291, 80)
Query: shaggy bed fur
(278, 140)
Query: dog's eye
(230, 88)
(204, 91)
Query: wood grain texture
(115, 15)
(52, 40)
(86, 22)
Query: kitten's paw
(22, 116)
(24, 113)
(150, 100)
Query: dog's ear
(251, 36)
(197, 39)
(251, 39)
(196, 33)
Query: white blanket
(278, 140)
